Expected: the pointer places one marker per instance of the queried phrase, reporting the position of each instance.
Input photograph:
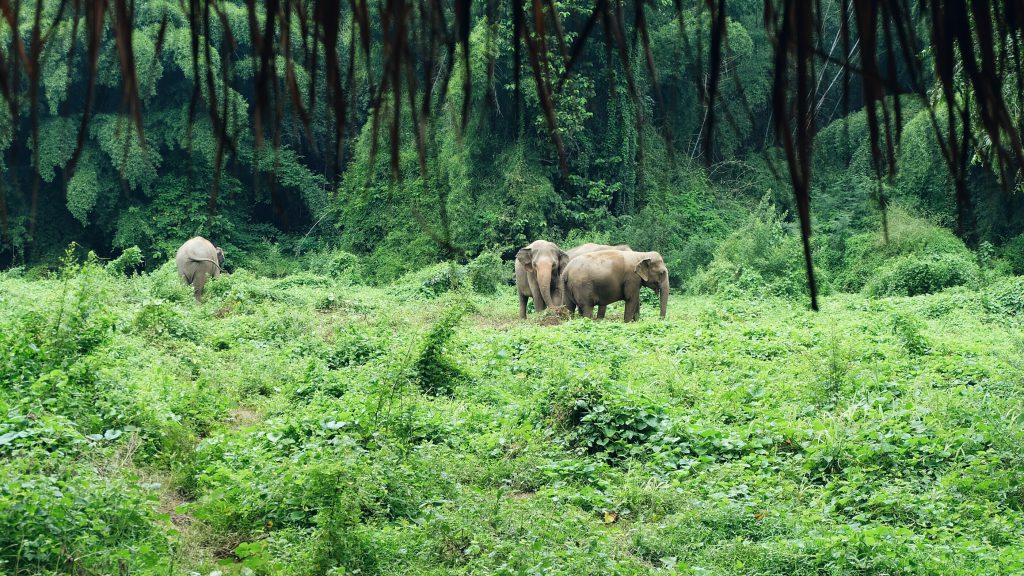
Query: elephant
(196, 259)
(587, 249)
(539, 268)
(606, 276)
(591, 247)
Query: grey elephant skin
(197, 260)
(539, 269)
(606, 276)
(587, 249)
(591, 247)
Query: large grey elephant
(539, 269)
(587, 249)
(197, 259)
(591, 247)
(606, 276)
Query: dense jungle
(819, 254)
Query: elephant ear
(563, 260)
(220, 255)
(525, 257)
(643, 269)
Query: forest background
(640, 166)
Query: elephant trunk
(544, 280)
(663, 292)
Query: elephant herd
(580, 279)
(587, 276)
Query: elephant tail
(210, 260)
(190, 277)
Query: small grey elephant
(606, 276)
(196, 260)
(538, 271)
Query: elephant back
(197, 249)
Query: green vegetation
(309, 425)
(356, 394)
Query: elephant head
(653, 273)
(544, 262)
(220, 257)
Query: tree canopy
(127, 121)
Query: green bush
(915, 275)
(909, 330)
(352, 346)
(868, 255)
(487, 271)
(1005, 297)
(1013, 252)
(434, 370)
(337, 264)
(128, 262)
(595, 420)
(445, 277)
(759, 259)
(158, 318)
(76, 522)
(164, 284)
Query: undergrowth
(306, 425)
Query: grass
(303, 426)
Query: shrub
(76, 522)
(445, 277)
(1013, 252)
(487, 271)
(435, 372)
(432, 281)
(759, 259)
(157, 318)
(914, 275)
(337, 264)
(909, 329)
(164, 284)
(352, 347)
(1005, 297)
(128, 262)
(598, 421)
(866, 254)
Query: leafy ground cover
(301, 425)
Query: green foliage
(434, 371)
(761, 258)
(390, 434)
(66, 521)
(909, 330)
(600, 422)
(915, 275)
(127, 262)
(913, 245)
(487, 272)
(1005, 297)
(83, 189)
(1013, 252)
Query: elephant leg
(197, 284)
(568, 302)
(523, 299)
(203, 272)
(632, 309)
(601, 309)
(587, 310)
